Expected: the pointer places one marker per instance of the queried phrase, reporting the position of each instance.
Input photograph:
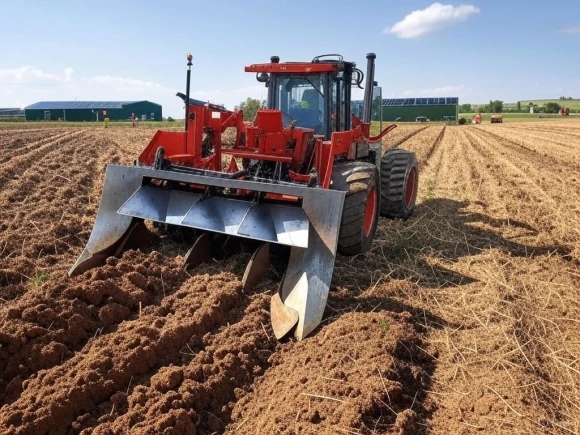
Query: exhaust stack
(368, 99)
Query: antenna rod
(189, 58)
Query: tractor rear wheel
(360, 215)
(399, 183)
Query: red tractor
(305, 173)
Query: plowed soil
(463, 319)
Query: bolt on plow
(304, 174)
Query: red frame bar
(299, 67)
(256, 156)
(264, 141)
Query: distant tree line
(494, 106)
(550, 107)
(497, 106)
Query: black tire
(399, 183)
(361, 182)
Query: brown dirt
(463, 319)
(401, 134)
(373, 380)
(157, 354)
(498, 229)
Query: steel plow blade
(159, 205)
(126, 201)
(287, 225)
(311, 230)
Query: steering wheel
(286, 117)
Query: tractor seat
(311, 99)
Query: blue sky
(121, 50)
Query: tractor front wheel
(399, 183)
(360, 214)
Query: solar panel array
(420, 101)
(11, 112)
(66, 105)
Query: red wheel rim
(370, 212)
(410, 188)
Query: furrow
(531, 149)
(13, 169)
(103, 370)
(22, 143)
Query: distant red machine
(564, 111)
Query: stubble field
(463, 319)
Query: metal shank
(309, 273)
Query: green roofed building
(93, 111)
(408, 109)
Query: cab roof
(294, 67)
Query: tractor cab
(315, 95)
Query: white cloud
(22, 104)
(124, 82)
(29, 73)
(124, 88)
(430, 19)
(444, 91)
(230, 97)
(68, 72)
(571, 30)
(25, 85)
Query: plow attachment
(309, 229)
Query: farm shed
(92, 110)
(11, 112)
(436, 109)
